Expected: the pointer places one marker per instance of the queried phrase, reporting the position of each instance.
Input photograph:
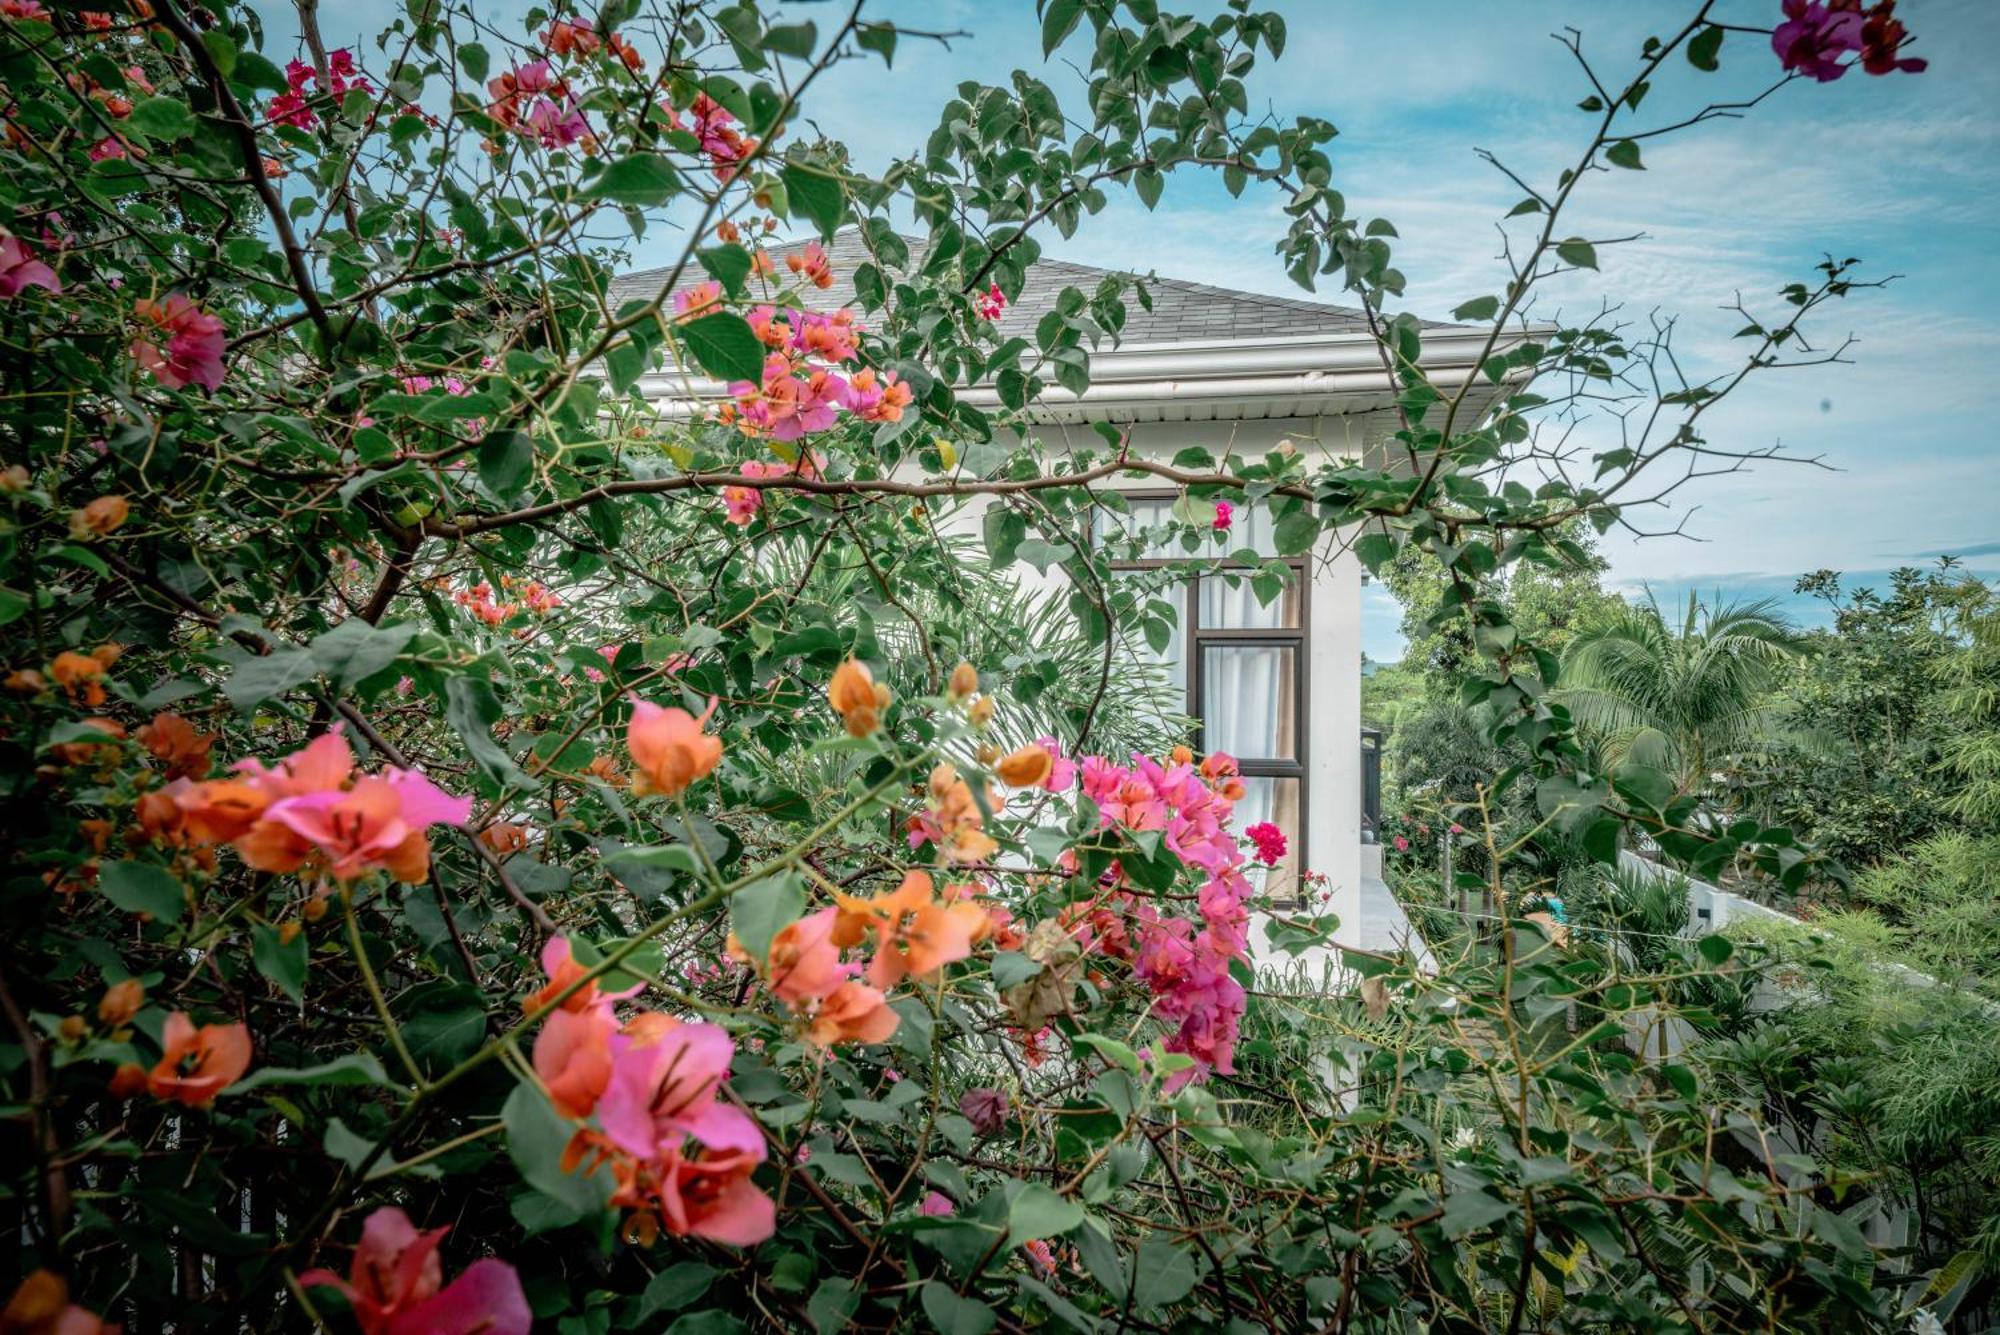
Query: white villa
(1279, 687)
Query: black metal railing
(1371, 785)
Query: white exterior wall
(1333, 653)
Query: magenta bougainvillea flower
(396, 1284)
(1270, 841)
(180, 343)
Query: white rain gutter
(1278, 369)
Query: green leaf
(537, 1136)
(474, 60)
(817, 193)
(1479, 308)
(472, 709)
(1037, 1212)
(1705, 47)
(1162, 1274)
(355, 650)
(141, 887)
(760, 910)
(724, 346)
(1295, 533)
(13, 604)
(1625, 153)
(442, 1022)
(1470, 1209)
(1058, 23)
(163, 119)
(727, 265)
(1580, 253)
(255, 70)
(284, 963)
(792, 39)
(1118, 1054)
(1716, 949)
(641, 179)
(506, 461)
(257, 678)
(672, 1289)
(1149, 182)
(954, 1315)
(356, 1068)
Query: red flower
(1881, 34)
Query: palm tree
(1681, 696)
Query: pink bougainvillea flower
(1814, 37)
(1270, 841)
(20, 270)
(804, 964)
(198, 1064)
(709, 1194)
(1040, 1257)
(669, 747)
(379, 823)
(663, 1091)
(573, 1057)
(1882, 35)
(1402, 844)
(811, 263)
(1062, 770)
(701, 299)
(743, 503)
(991, 303)
(558, 123)
(24, 9)
(877, 400)
(1225, 515)
(937, 1205)
(396, 1285)
(180, 343)
(563, 969)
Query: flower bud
(1027, 767)
(100, 517)
(121, 1002)
(964, 681)
(72, 1029)
(981, 712)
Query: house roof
(1183, 311)
(1202, 353)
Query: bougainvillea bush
(487, 848)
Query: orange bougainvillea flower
(100, 517)
(952, 820)
(92, 753)
(853, 1013)
(41, 1306)
(573, 1057)
(669, 748)
(80, 676)
(222, 810)
(198, 1063)
(1027, 767)
(174, 742)
(504, 837)
(964, 681)
(914, 934)
(120, 1002)
(857, 697)
(804, 964)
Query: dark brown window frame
(1195, 640)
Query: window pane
(1250, 700)
(1134, 645)
(1252, 529)
(1276, 801)
(1230, 603)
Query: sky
(1902, 171)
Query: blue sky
(1903, 171)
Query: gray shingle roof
(1183, 311)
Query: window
(1241, 663)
